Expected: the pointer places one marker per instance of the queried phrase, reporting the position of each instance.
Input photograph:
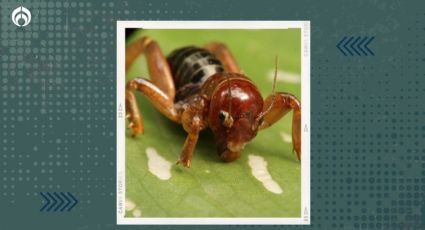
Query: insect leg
(193, 121)
(283, 103)
(159, 69)
(221, 51)
(158, 98)
(188, 149)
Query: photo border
(304, 218)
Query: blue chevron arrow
(47, 199)
(353, 46)
(75, 200)
(61, 201)
(58, 201)
(67, 203)
(338, 46)
(54, 202)
(367, 43)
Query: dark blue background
(367, 113)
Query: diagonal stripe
(353, 46)
(75, 200)
(67, 203)
(54, 203)
(338, 46)
(367, 43)
(60, 204)
(45, 205)
(345, 46)
(359, 46)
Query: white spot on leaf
(137, 213)
(158, 166)
(259, 171)
(129, 205)
(285, 76)
(286, 137)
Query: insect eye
(222, 116)
(225, 119)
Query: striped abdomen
(190, 67)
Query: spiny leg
(158, 98)
(283, 103)
(223, 53)
(159, 69)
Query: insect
(204, 87)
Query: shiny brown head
(234, 115)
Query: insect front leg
(223, 53)
(193, 121)
(283, 103)
(190, 143)
(157, 97)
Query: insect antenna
(264, 113)
(229, 95)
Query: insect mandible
(204, 87)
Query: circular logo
(21, 16)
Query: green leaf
(211, 188)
